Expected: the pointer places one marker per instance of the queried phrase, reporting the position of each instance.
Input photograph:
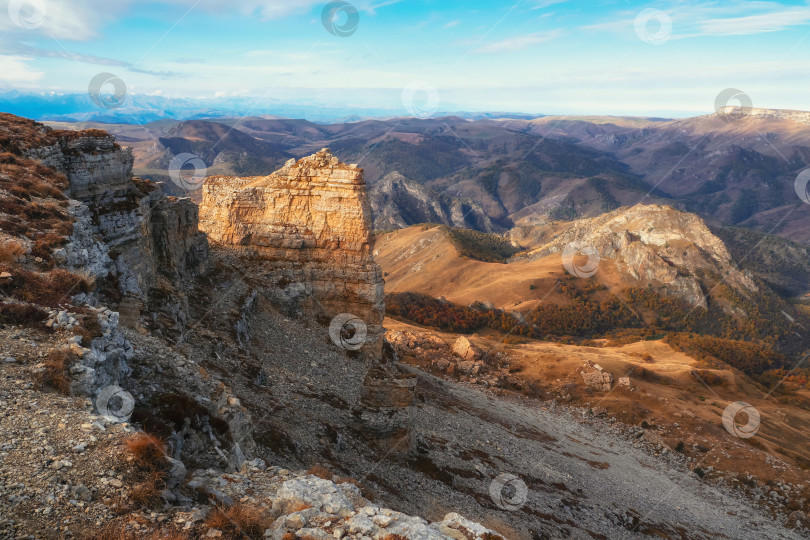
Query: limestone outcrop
(130, 239)
(654, 244)
(145, 233)
(308, 227)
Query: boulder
(466, 350)
(595, 377)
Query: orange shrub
(148, 451)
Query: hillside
(525, 171)
(252, 413)
(397, 202)
(636, 272)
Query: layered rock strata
(309, 227)
(145, 234)
(124, 228)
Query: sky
(617, 57)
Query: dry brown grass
(55, 375)
(238, 521)
(147, 493)
(148, 452)
(47, 289)
(23, 315)
(320, 471)
(19, 134)
(10, 250)
(44, 245)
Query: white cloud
(74, 20)
(452, 24)
(714, 19)
(755, 24)
(547, 3)
(15, 70)
(518, 43)
(81, 20)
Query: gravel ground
(585, 477)
(574, 476)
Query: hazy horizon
(540, 57)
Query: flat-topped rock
(309, 226)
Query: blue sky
(536, 56)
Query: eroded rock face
(398, 202)
(145, 233)
(308, 225)
(656, 244)
(126, 228)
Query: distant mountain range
(141, 109)
(498, 174)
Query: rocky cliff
(654, 244)
(397, 202)
(308, 226)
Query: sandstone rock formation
(309, 227)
